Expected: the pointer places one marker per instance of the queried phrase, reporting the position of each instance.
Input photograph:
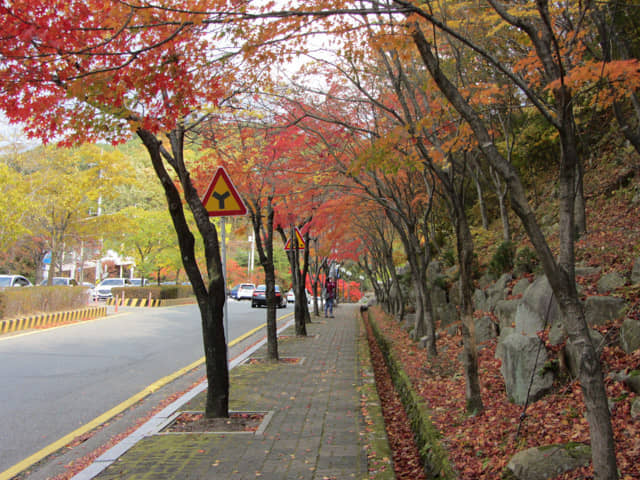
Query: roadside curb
(45, 319)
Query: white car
(14, 281)
(311, 298)
(245, 290)
(60, 281)
(291, 297)
(103, 290)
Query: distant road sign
(221, 198)
(299, 245)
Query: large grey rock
(438, 297)
(455, 295)
(601, 310)
(542, 463)
(452, 272)
(587, 271)
(633, 381)
(573, 354)
(521, 286)
(635, 271)
(506, 312)
(609, 282)
(518, 354)
(446, 314)
(635, 408)
(540, 299)
(557, 334)
(434, 270)
(504, 333)
(497, 291)
(452, 330)
(485, 329)
(479, 300)
(409, 321)
(485, 280)
(630, 335)
(528, 321)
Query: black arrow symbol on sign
(221, 198)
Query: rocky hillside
(533, 404)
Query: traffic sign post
(222, 200)
(299, 242)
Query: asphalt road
(54, 381)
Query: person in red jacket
(330, 296)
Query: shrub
(157, 291)
(20, 302)
(441, 281)
(526, 260)
(502, 260)
(449, 257)
(176, 291)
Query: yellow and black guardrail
(149, 302)
(53, 318)
(135, 302)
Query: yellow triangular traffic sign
(222, 198)
(298, 239)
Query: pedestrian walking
(330, 296)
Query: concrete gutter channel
(128, 419)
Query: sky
(12, 137)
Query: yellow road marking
(96, 422)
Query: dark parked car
(14, 281)
(260, 297)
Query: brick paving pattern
(314, 430)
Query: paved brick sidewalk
(314, 430)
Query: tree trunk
(501, 193)
(470, 352)
(215, 352)
(395, 291)
(53, 260)
(303, 278)
(560, 276)
(272, 337)
(314, 293)
(424, 325)
(264, 246)
(300, 306)
(504, 216)
(418, 259)
(481, 203)
(210, 297)
(580, 206)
